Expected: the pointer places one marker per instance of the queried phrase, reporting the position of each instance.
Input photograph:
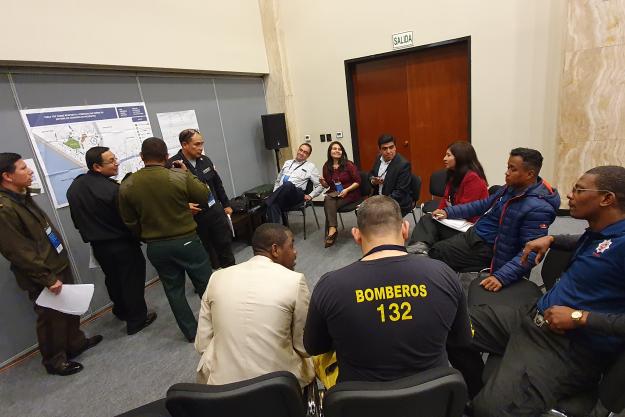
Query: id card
(54, 240)
(285, 179)
(338, 186)
(211, 199)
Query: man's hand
(307, 197)
(559, 319)
(491, 284)
(377, 180)
(179, 164)
(540, 246)
(323, 182)
(228, 210)
(343, 193)
(56, 287)
(194, 208)
(439, 214)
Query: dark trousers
(285, 197)
(430, 231)
(463, 252)
(214, 231)
(538, 367)
(123, 265)
(331, 205)
(58, 334)
(172, 258)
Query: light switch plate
(339, 135)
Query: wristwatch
(576, 315)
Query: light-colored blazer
(252, 322)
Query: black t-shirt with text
(387, 318)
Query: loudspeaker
(274, 130)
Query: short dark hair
(94, 156)
(611, 178)
(309, 147)
(186, 135)
(378, 214)
(532, 159)
(267, 234)
(154, 149)
(7, 162)
(385, 138)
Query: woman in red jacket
(466, 182)
(342, 179)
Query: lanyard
(296, 168)
(385, 247)
(384, 173)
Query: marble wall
(592, 96)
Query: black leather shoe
(149, 319)
(89, 343)
(67, 368)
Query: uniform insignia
(603, 246)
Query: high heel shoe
(331, 239)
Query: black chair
(438, 181)
(277, 394)
(365, 190)
(438, 392)
(493, 189)
(301, 207)
(415, 193)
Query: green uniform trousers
(172, 258)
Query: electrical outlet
(307, 138)
(339, 135)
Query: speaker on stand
(274, 131)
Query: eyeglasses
(577, 190)
(112, 161)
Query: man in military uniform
(154, 205)
(93, 205)
(212, 224)
(39, 260)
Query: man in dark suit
(390, 174)
(210, 216)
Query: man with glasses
(92, 201)
(558, 345)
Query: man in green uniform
(39, 260)
(154, 204)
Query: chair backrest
(554, 265)
(277, 394)
(415, 187)
(438, 181)
(493, 189)
(611, 386)
(309, 187)
(438, 392)
(365, 185)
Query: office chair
(301, 207)
(437, 189)
(365, 190)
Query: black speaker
(274, 130)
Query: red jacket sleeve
(471, 188)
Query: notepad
(73, 299)
(456, 224)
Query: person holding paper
(289, 188)
(466, 182)
(39, 260)
(342, 179)
(93, 206)
(210, 216)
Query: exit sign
(402, 40)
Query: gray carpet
(124, 372)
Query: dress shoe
(66, 368)
(331, 239)
(419, 248)
(89, 343)
(149, 319)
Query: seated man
(519, 212)
(252, 315)
(289, 188)
(390, 314)
(390, 174)
(546, 355)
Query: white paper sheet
(456, 224)
(73, 299)
(231, 225)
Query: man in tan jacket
(252, 315)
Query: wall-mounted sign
(402, 40)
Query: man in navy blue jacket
(548, 356)
(517, 213)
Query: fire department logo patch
(603, 246)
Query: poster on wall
(172, 123)
(62, 135)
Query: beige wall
(516, 50)
(208, 35)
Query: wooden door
(420, 96)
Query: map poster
(173, 123)
(62, 135)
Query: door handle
(406, 143)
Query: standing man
(93, 205)
(154, 204)
(262, 302)
(39, 260)
(212, 224)
(390, 174)
(289, 188)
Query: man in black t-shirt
(391, 313)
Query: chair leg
(315, 214)
(341, 219)
(304, 214)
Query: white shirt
(299, 173)
(382, 171)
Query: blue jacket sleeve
(472, 209)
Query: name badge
(207, 170)
(54, 240)
(285, 179)
(211, 199)
(338, 186)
